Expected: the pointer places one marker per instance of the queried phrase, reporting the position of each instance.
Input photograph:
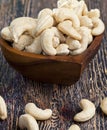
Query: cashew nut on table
(48, 33)
(3, 109)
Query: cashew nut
(38, 113)
(23, 41)
(87, 113)
(73, 44)
(3, 109)
(29, 122)
(45, 12)
(86, 39)
(98, 26)
(62, 49)
(74, 127)
(20, 25)
(66, 28)
(35, 47)
(6, 34)
(47, 40)
(45, 21)
(86, 21)
(62, 14)
(103, 105)
(56, 41)
(94, 13)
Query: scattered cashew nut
(62, 49)
(87, 113)
(38, 113)
(27, 121)
(3, 109)
(6, 34)
(74, 127)
(103, 105)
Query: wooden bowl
(50, 69)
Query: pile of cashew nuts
(67, 29)
(34, 113)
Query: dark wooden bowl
(50, 69)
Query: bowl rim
(69, 58)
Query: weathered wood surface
(63, 100)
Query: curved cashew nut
(23, 41)
(45, 12)
(47, 40)
(29, 122)
(86, 21)
(66, 28)
(94, 13)
(62, 14)
(73, 44)
(67, 4)
(3, 109)
(103, 105)
(98, 26)
(87, 113)
(86, 39)
(85, 9)
(45, 21)
(35, 47)
(79, 9)
(56, 41)
(6, 34)
(20, 25)
(74, 127)
(38, 113)
(62, 49)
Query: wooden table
(63, 100)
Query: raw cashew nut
(73, 44)
(45, 21)
(47, 40)
(86, 39)
(86, 21)
(103, 105)
(3, 109)
(29, 122)
(74, 127)
(62, 49)
(45, 12)
(38, 113)
(67, 3)
(56, 41)
(62, 14)
(98, 27)
(87, 113)
(6, 34)
(66, 28)
(35, 47)
(22, 24)
(94, 13)
(23, 41)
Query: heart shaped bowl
(50, 69)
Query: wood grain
(63, 100)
